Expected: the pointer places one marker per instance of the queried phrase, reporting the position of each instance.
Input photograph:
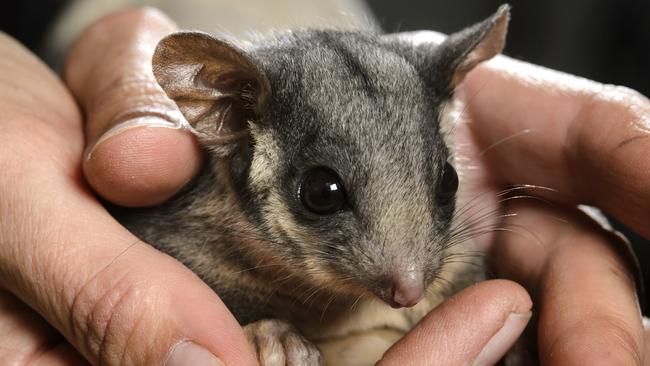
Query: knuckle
(623, 341)
(106, 316)
(626, 339)
(605, 340)
(127, 95)
(129, 99)
(617, 255)
(610, 118)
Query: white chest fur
(360, 337)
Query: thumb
(117, 300)
(475, 327)
(138, 149)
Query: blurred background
(603, 40)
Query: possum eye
(448, 184)
(322, 191)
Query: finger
(115, 299)
(588, 310)
(477, 326)
(25, 338)
(138, 150)
(593, 137)
(118, 303)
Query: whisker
(466, 105)
(322, 315)
(354, 304)
(259, 267)
(506, 139)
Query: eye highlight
(448, 184)
(322, 192)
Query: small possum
(323, 215)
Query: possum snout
(402, 289)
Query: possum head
(333, 145)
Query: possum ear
(216, 86)
(462, 51)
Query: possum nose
(407, 290)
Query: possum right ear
(463, 50)
(216, 86)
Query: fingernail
(145, 121)
(191, 354)
(503, 339)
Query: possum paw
(278, 344)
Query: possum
(324, 214)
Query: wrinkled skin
(78, 286)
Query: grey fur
(366, 105)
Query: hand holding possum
(467, 326)
(327, 185)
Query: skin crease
(65, 262)
(592, 134)
(573, 278)
(597, 131)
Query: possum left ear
(218, 87)
(462, 51)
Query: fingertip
(218, 331)
(189, 353)
(143, 165)
(497, 294)
(477, 325)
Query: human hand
(586, 141)
(569, 141)
(467, 325)
(76, 286)
(128, 169)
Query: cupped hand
(117, 300)
(579, 142)
(75, 284)
(532, 144)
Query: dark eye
(322, 192)
(448, 184)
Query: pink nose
(407, 290)
(407, 296)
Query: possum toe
(279, 344)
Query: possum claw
(278, 344)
